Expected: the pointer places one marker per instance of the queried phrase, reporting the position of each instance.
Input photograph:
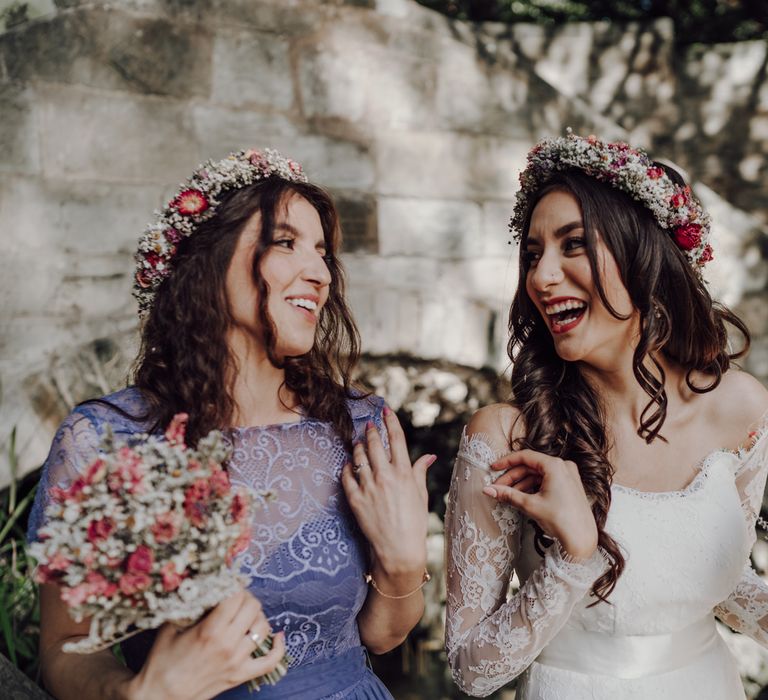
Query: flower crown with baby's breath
(630, 170)
(196, 202)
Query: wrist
(399, 586)
(399, 567)
(135, 688)
(578, 551)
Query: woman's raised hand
(548, 490)
(389, 497)
(211, 656)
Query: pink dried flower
(95, 471)
(219, 482)
(100, 529)
(134, 583)
(76, 595)
(129, 472)
(59, 562)
(172, 235)
(166, 527)
(141, 561)
(171, 578)
(175, 431)
(100, 585)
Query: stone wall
(418, 125)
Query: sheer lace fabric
(687, 555)
(306, 559)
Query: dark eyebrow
(287, 227)
(560, 232)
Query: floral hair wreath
(196, 202)
(630, 170)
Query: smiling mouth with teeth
(304, 304)
(565, 315)
(308, 306)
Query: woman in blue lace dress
(246, 329)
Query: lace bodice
(306, 558)
(687, 554)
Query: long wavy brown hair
(185, 365)
(562, 412)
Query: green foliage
(19, 611)
(704, 21)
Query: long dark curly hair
(185, 365)
(562, 412)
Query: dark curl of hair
(562, 412)
(185, 364)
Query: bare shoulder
(501, 422)
(739, 403)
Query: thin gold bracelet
(425, 579)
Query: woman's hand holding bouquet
(145, 538)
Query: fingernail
(489, 491)
(387, 410)
(369, 425)
(431, 460)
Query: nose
(316, 270)
(547, 272)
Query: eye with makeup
(284, 242)
(530, 257)
(574, 244)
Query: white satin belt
(630, 656)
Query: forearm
(384, 622)
(98, 676)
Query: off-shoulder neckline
(702, 466)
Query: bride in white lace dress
(623, 480)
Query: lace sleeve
(491, 639)
(746, 609)
(74, 446)
(751, 475)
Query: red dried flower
(677, 200)
(706, 255)
(100, 529)
(190, 203)
(655, 172)
(688, 236)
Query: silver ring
(255, 637)
(357, 468)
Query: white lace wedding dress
(687, 561)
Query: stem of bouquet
(263, 648)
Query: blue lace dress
(306, 558)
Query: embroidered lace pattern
(490, 637)
(307, 556)
(669, 582)
(746, 609)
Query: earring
(656, 310)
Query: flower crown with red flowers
(630, 170)
(196, 202)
